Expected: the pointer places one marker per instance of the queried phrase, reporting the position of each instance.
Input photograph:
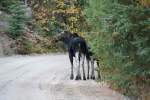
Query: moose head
(65, 36)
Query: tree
(18, 19)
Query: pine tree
(18, 20)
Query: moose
(77, 48)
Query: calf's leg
(71, 61)
(88, 68)
(78, 77)
(84, 78)
(92, 69)
(98, 66)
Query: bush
(18, 20)
(122, 42)
(5, 4)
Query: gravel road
(46, 77)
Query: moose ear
(75, 34)
(67, 32)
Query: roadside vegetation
(120, 39)
(22, 28)
(118, 32)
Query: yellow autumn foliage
(58, 11)
(73, 19)
(145, 3)
(63, 13)
(60, 4)
(72, 10)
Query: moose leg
(78, 77)
(71, 61)
(98, 65)
(92, 69)
(84, 78)
(88, 68)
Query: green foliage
(81, 3)
(27, 47)
(5, 4)
(122, 41)
(18, 20)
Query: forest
(118, 32)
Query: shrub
(5, 4)
(122, 41)
(18, 20)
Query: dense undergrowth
(120, 39)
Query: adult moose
(77, 47)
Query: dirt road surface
(46, 77)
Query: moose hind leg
(78, 77)
(88, 68)
(71, 61)
(92, 69)
(98, 67)
(84, 78)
